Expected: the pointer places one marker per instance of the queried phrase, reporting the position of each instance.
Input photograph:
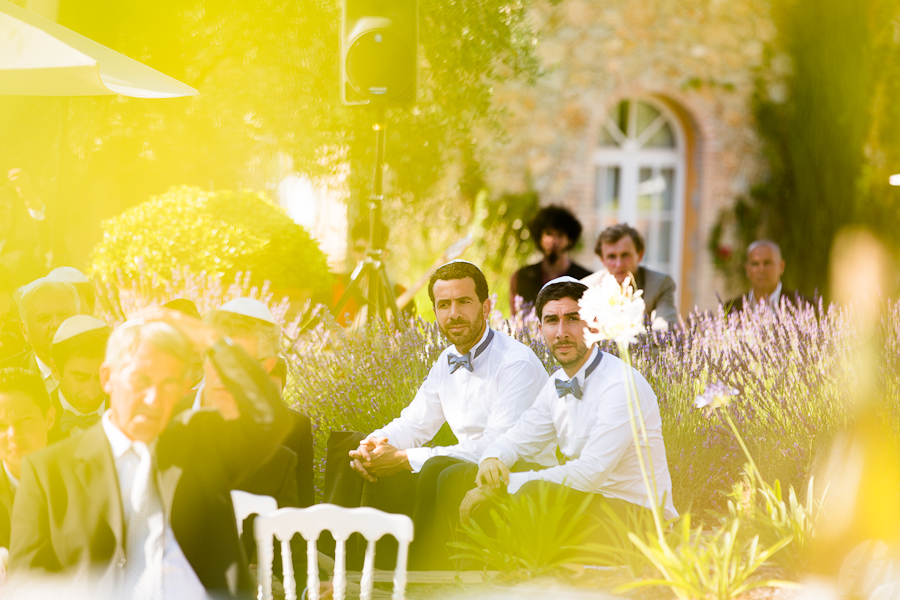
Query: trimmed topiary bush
(216, 232)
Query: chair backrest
(246, 504)
(284, 523)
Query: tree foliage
(830, 133)
(268, 74)
(221, 232)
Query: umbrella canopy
(41, 58)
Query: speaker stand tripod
(370, 273)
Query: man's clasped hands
(376, 457)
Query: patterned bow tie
(460, 361)
(568, 387)
(70, 420)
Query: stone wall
(698, 56)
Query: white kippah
(76, 326)
(563, 279)
(458, 260)
(67, 275)
(248, 307)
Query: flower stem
(631, 391)
(743, 446)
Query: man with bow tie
(77, 353)
(583, 409)
(479, 386)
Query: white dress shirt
(594, 433)
(180, 582)
(50, 383)
(478, 405)
(772, 300)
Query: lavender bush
(789, 368)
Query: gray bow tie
(568, 387)
(460, 361)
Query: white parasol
(41, 58)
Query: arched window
(640, 179)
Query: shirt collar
(476, 347)
(66, 406)
(119, 442)
(772, 300)
(43, 367)
(13, 481)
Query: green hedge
(221, 232)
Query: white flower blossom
(612, 311)
(715, 396)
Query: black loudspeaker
(379, 42)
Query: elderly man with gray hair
(141, 502)
(43, 307)
(764, 268)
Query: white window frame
(630, 157)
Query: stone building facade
(644, 114)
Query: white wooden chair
(341, 522)
(246, 504)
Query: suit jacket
(28, 360)
(296, 490)
(6, 502)
(659, 291)
(792, 297)
(68, 509)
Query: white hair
(764, 244)
(42, 287)
(128, 336)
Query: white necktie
(146, 530)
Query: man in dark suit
(764, 268)
(555, 231)
(77, 351)
(43, 306)
(143, 502)
(25, 420)
(251, 325)
(621, 248)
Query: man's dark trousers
(412, 494)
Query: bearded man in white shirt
(582, 408)
(479, 386)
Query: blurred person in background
(555, 231)
(21, 214)
(141, 498)
(187, 307)
(764, 268)
(78, 349)
(82, 284)
(250, 324)
(26, 417)
(621, 248)
(43, 307)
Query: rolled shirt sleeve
(529, 437)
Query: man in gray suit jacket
(621, 248)
(142, 502)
